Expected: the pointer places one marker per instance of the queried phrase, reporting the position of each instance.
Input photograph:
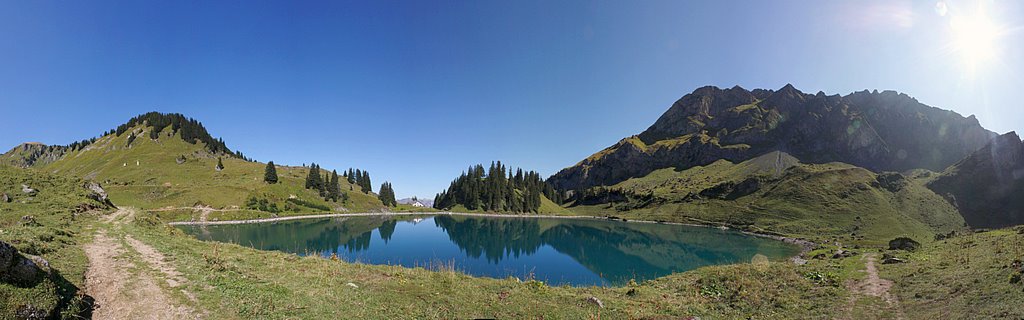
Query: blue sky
(416, 91)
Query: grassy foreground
(53, 224)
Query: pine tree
(387, 195)
(313, 179)
(333, 189)
(365, 183)
(270, 174)
(321, 185)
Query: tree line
(496, 189)
(329, 184)
(191, 130)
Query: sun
(974, 38)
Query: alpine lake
(558, 251)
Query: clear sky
(416, 91)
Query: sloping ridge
(31, 154)
(988, 186)
(885, 131)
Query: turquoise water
(558, 251)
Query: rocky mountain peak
(880, 131)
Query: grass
(821, 202)
(146, 175)
(968, 276)
(48, 225)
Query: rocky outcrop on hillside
(988, 185)
(32, 153)
(880, 131)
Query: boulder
(7, 256)
(903, 243)
(98, 193)
(595, 301)
(890, 259)
(20, 271)
(28, 190)
(840, 253)
(24, 273)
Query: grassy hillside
(775, 193)
(972, 276)
(146, 174)
(53, 224)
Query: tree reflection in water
(577, 251)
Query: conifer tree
(387, 195)
(333, 189)
(366, 184)
(313, 180)
(270, 174)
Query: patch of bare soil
(875, 286)
(119, 292)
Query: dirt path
(875, 286)
(122, 281)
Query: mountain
(880, 131)
(988, 185)
(156, 161)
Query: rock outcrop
(904, 243)
(21, 270)
(885, 131)
(97, 193)
(32, 153)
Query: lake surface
(557, 251)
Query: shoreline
(805, 245)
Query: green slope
(776, 193)
(53, 225)
(147, 175)
(970, 276)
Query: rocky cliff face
(988, 185)
(881, 131)
(31, 153)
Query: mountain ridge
(881, 131)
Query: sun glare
(974, 38)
